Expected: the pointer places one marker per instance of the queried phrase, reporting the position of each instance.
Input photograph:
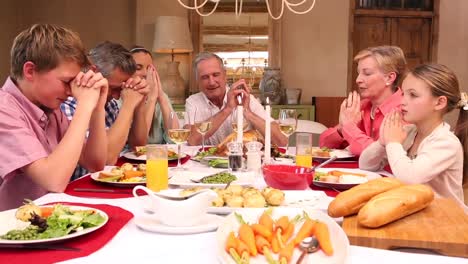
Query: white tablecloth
(133, 245)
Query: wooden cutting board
(441, 227)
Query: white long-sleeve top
(439, 162)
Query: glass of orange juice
(156, 167)
(304, 149)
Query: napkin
(88, 243)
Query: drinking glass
(156, 167)
(287, 122)
(179, 134)
(202, 120)
(304, 149)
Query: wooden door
(369, 31)
(413, 36)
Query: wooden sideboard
(305, 112)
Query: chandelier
(197, 6)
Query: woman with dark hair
(157, 102)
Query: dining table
(130, 244)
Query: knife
(39, 246)
(100, 190)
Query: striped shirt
(112, 111)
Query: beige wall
(95, 21)
(315, 50)
(9, 27)
(453, 42)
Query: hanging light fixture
(199, 4)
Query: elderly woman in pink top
(39, 147)
(380, 73)
(426, 151)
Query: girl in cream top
(426, 151)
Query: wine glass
(287, 122)
(179, 134)
(202, 120)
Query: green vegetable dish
(61, 221)
(220, 178)
(200, 155)
(218, 163)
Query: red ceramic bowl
(287, 177)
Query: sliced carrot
(131, 173)
(282, 223)
(323, 236)
(266, 221)
(286, 253)
(231, 246)
(306, 230)
(287, 234)
(263, 247)
(262, 231)
(246, 235)
(243, 250)
(275, 246)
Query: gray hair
(205, 55)
(108, 56)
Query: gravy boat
(170, 212)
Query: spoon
(308, 245)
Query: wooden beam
(234, 30)
(234, 47)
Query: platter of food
(291, 225)
(342, 178)
(32, 224)
(127, 175)
(140, 154)
(210, 177)
(237, 197)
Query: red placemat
(108, 191)
(172, 163)
(88, 243)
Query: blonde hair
(389, 59)
(443, 82)
(46, 46)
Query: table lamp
(172, 36)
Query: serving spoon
(330, 160)
(308, 245)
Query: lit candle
(267, 156)
(240, 125)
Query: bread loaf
(349, 202)
(395, 204)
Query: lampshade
(172, 35)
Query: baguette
(395, 204)
(349, 202)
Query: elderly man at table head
(222, 101)
(125, 120)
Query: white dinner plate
(339, 153)
(344, 186)
(338, 237)
(10, 222)
(209, 223)
(131, 155)
(95, 177)
(308, 198)
(184, 179)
